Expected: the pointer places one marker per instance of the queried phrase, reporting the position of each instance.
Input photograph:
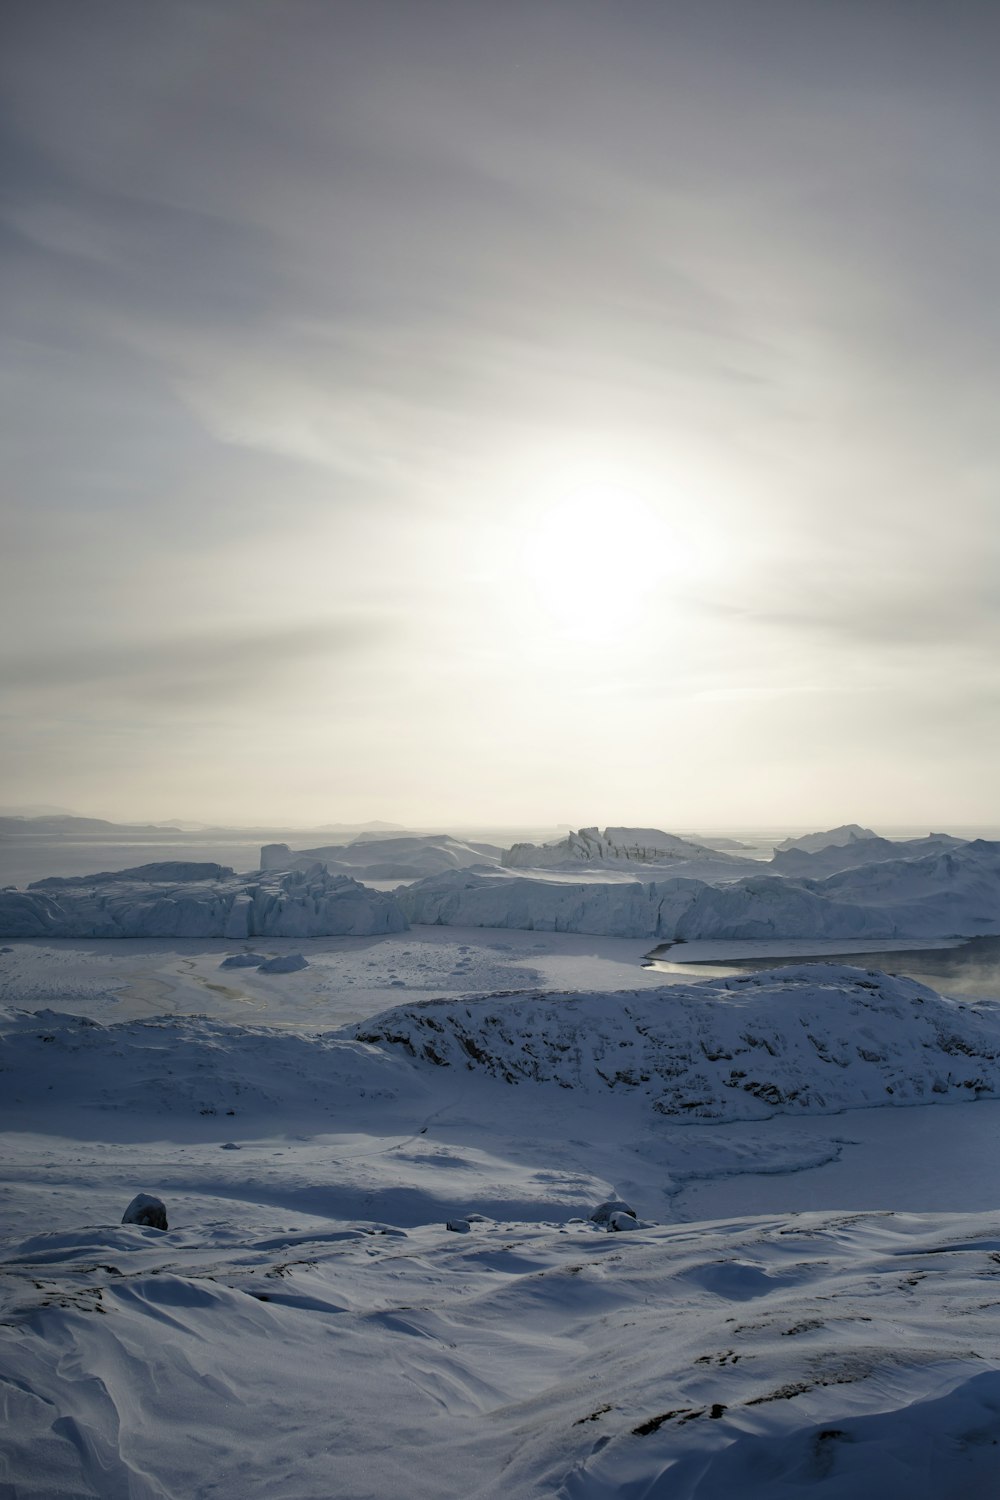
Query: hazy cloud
(314, 312)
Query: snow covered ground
(809, 1305)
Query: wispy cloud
(312, 310)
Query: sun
(592, 558)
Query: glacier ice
(294, 904)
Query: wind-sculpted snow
(297, 904)
(806, 1040)
(943, 895)
(848, 1356)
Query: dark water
(971, 969)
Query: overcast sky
(452, 412)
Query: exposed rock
(145, 1209)
(288, 963)
(244, 961)
(604, 1212)
(458, 1226)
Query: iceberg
(151, 902)
(951, 894)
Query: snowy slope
(853, 1357)
(153, 902)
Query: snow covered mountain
(198, 901)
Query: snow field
(856, 1355)
(308, 1326)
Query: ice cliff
(206, 901)
(951, 894)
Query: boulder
(145, 1209)
(603, 1212)
(289, 963)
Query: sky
(565, 410)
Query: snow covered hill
(198, 901)
(807, 1040)
(817, 1038)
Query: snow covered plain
(811, 1305)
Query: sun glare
(593, 557)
